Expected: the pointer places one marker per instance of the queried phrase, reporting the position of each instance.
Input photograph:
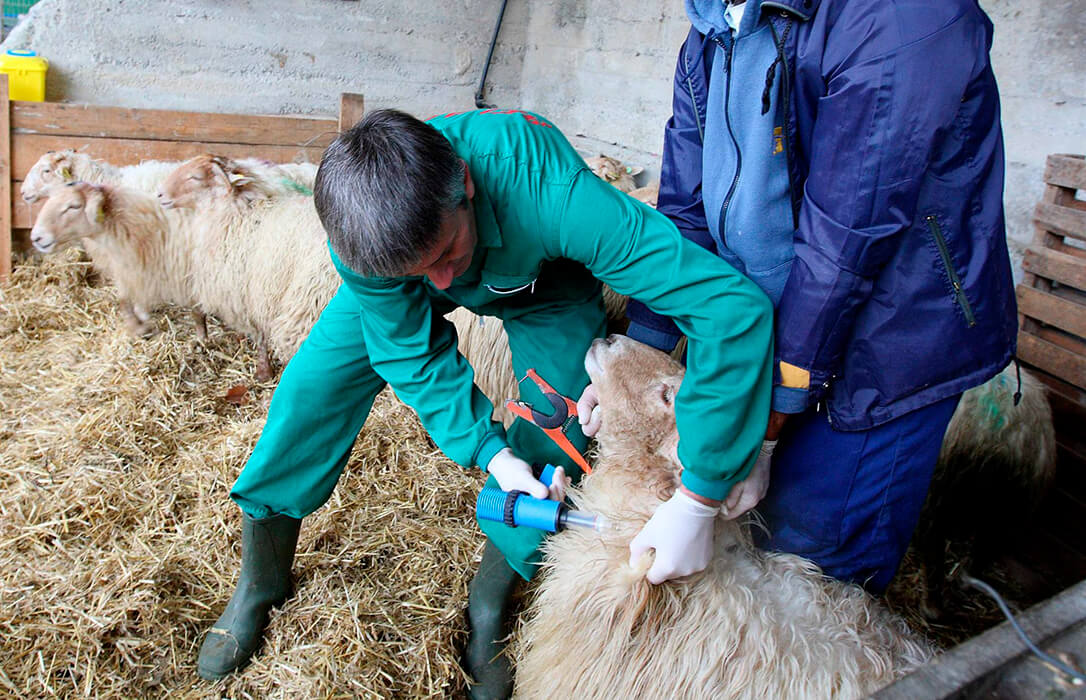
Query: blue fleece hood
(707, 16)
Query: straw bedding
(119, 544)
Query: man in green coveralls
(495, 211)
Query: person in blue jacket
(846, 155)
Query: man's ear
(469, 184)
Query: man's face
(451, 255)
(456, 238)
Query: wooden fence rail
(125, 136)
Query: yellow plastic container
(26, 74)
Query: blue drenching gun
(518, 509)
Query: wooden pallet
(124, 136)
(1052, 345)
(1052, 296)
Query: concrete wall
(1039, 58)
(600, 68)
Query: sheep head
(614, 172)
(637, 386)
(53, 168)
(75, 210)
(203, 179)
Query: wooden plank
(1054, 359)
(1057, 387)
(1071, 343)
(53, 118)
(1052, 309)
(1033, 679)
(351, 108)
(1064, 268)
(1061, 220)
(27, 148)
(22, 214)
(5, 181)
(1065, 170)
(970, 662)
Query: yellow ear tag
(235, 178)
(101, 217)
(66, 173)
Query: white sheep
(133, 241)
(997, 459)
(753, 625)
(264, 269)
(61, 167)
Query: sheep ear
(96, 199)
(62, 164)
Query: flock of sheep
(240, 240)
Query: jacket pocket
(951, 273)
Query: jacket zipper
(693, 99)
(944, 253)
(728, 47)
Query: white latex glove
(514, 474)
(750, 491)
(681, 532)
(588, 411)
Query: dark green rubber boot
(267, 552)
(488, 609)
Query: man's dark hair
(382, 190)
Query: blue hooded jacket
(900, 291)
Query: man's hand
(514, 474)
(681, 532)
(588, 411)
(747, 493)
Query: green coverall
(548, 229)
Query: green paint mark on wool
(298, 187)
(988, 402)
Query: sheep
(753, 625)
(259, 257)
(133, 241)
(647, 194)
(61, 167)
(262, 266)
(614, 172)
(997, 459)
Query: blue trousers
(849, 501)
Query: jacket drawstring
(771, 72)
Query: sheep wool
(753, 625)
(132, 240)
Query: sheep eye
(666, 394)
(73, 206)
(45, 171)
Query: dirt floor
(119, 543)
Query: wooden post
(5, 181)
(351, 107)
